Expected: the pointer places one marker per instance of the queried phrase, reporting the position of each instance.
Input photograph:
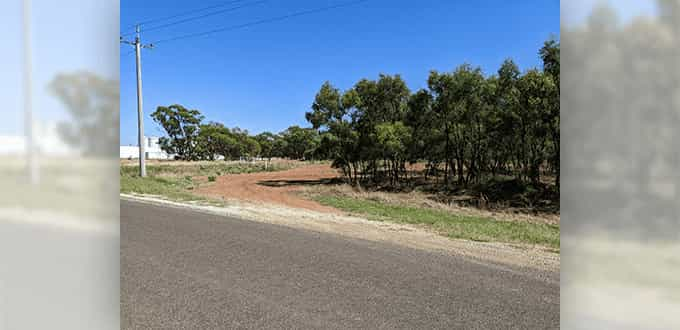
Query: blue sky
(265, 77)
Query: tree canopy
(464, 124)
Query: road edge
(516, 259)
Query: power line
(165, 18)
(198, 17)
(263, 21)
(137, 43)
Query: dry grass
(427, 200)
(275, 161)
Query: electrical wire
(249, 4)
(263, 21)
(194, 11)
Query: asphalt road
(181, 269)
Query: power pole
(137, 43)
(29, 134)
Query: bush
(212, 178)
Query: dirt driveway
(273, 187)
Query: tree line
(189, 137)
(464, 126)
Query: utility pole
(31, 157)
(140, 108)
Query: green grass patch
(171, 188)
(450, 224)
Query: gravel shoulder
(544, 265)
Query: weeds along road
(181, 269)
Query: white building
(152, 149)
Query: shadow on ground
(493, 194)
(288, 183)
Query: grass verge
(172, 188)
(449, 224)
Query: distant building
(152, 150)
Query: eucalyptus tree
(393, 139)
(536, 90)
(299, 142)
(377, 102)
(182, 126)
(427, 140)
(550, 54)
(333, 115)
(267, 141)
(215, 140)
(457, 101)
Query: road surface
(181, 269)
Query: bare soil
(296, 187)
(281, 187)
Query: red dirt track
(272, 187)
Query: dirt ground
(281, 187)
(292, 188)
